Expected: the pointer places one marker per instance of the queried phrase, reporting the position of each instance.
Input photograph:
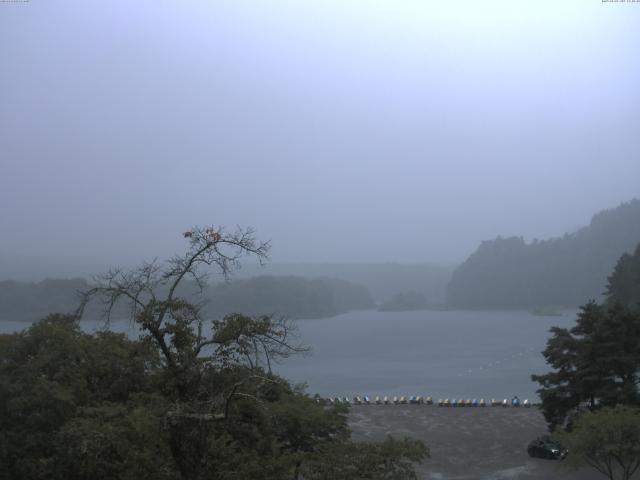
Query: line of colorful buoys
(403, 400)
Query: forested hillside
(22, 301)
(288, 296)
(624, 283)
(292, 296)
(383, 280)
(566, 271)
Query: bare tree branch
(175, 325)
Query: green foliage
(190, 400)
(49, 375)
(107, 441)
(567, 271)
(595, 362)
(79, 406)
(624, 283)
(608, 440)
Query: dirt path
(467, 443)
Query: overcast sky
(357, 131)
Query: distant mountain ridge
(383, 280)
(565, 271)
(293, 296)
(290, 296)
(29, 301)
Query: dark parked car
(544, 447)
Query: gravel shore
(467, 443)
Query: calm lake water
(444, 354)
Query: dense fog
(323, 239)
(344, 132)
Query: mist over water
(342, 131)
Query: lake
(445, 354)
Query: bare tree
(176, 326)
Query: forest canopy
(193, 398)
(566, 271)
(596, 362)
(292, 296)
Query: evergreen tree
(565, 271)
(597, 362)
(624, 283)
